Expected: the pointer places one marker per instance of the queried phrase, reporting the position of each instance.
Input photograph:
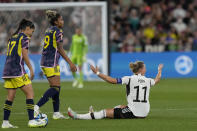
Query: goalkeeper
(78, 51)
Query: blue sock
(48, 94)
(7, 109)
(30, 108)
(56, 101)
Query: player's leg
(28, 91)
(80, 77)
(88, 116)
(80, 65)
(11, 85)
(53, 77)
(106, 113)
(56, 98)
(7, 108)
(54, 93)
(75, 82)
(54, 89)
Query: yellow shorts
(18, 82)
(50, 72)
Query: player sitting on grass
(138, 89)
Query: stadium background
(155, 31)
(160, 31)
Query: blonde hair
(136, 66)
(52, 16)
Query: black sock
(7, 109)
(56, 101)
(49, 93)
(30, 108)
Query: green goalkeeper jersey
(79, 45)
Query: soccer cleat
(58, 115)
(80, 85)
(71, 113)
(75, 83)
(36, 123)
(36, 110)
(6, 124)
(91, 110)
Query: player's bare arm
(26, 59)
(63, 54)
(102, 76)
(158, 77)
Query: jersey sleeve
(25, 43)
(59, 36)
(123, 80)
(152, 82)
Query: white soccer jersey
(138, 89)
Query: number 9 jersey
(50, 54)
(14, 64)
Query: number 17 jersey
(14, 64)
(138, 89)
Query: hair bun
(51, 13)
(136, 66)
(131, 65)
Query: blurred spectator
(179, 12)
(135, 25)
(86, 17)
(179, 25)
(156, 26)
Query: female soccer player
(53, 48)
(78, 51)
(137, 87)
(15, 76)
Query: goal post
(92, 17)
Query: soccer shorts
(78, 60)
(123, 113)
(18, 82)
(51, 71)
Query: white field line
(168, 109)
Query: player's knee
(109, 113)
(11, 97)
(29, 95)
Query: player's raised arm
(102, 76)
(63, 54)
(158, 77)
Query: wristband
(97, 73)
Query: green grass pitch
(173, 107)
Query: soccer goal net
(90, 16)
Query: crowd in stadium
(145, 26)
(73, 17)
(166, 25)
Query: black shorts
(123, 113)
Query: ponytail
(23, 24)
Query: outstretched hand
(160, 67)
(95, 70)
